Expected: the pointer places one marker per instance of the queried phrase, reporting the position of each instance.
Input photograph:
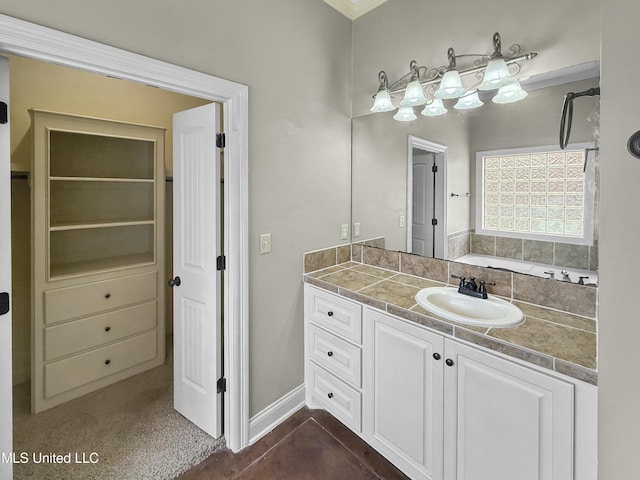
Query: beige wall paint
(295, 56)
(619, 326)
(46, 86)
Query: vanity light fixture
(496, 71)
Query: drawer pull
(330, 395)
(330, 313)
(330, 354)
(107, 329)
(107, 362)
(107, 295)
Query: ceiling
(353, 9)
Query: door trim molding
(41, 43)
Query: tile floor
(309, 445)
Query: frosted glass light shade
(434, 108)
(414, 95)
(405, 114)
(510, 93)
(469, 102)
(450, 86)
(496, 75)
(382, 102)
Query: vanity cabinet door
(403, 394)
(504, 421)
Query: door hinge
(434, 168)
(434, 221)
(4, 113)
(222, 385)
(4, 303)
(221, 263)
(221, 140)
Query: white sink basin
(448, 303)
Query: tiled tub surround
(549, 336)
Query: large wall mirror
(449, 168)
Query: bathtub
(529, 268)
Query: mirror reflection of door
(427, 232)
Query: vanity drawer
(341, 400)
(336, 355)
(76, 371)
(91, 298)
(334, 313)
(72, 337)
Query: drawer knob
(107, 295)
(107, 362)
(330, 395)
(449, 362)
(436, 356)
(330, 313)
(107, 329)
(330, 354)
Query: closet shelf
(60, 271)
(102, 179)
(88, 226)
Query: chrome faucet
(565, 276)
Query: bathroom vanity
(439, 399)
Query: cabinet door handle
(436, 356)
(107, 362)
(449, 362)
(107, 296)
(107, 329)
(330, 313)
(330, 354)
(330, 395)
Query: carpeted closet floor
(131, 426)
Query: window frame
(589, 195)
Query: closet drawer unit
(81, 369)
(341, 400)
(337, 356)
(334, 313)
(73, 337)
(91, 298)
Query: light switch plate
(265, 243)
(356, 229)
(344, 231)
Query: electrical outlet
(344, 231)
(265, 243)
(356, 230)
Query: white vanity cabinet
(439, 409)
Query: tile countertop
(549, 338)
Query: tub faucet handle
(552, 275)
(581, 280)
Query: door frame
(42, 43)
(441, 201)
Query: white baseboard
(276, 413)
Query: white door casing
(196, 244)
(34, 41)
(6, 429)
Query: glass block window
(539, 193)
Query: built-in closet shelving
(98, 250)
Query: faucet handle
(552, 275)
(581, 280)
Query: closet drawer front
(341, 400)
(91, 298)
(79, 335)
(337, 356)
(81, 369)
(334, 313)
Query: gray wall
(619, 325)
(295, 56)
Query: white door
(403, 394)
(6, 429)
(504, 421)
(196, 235)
